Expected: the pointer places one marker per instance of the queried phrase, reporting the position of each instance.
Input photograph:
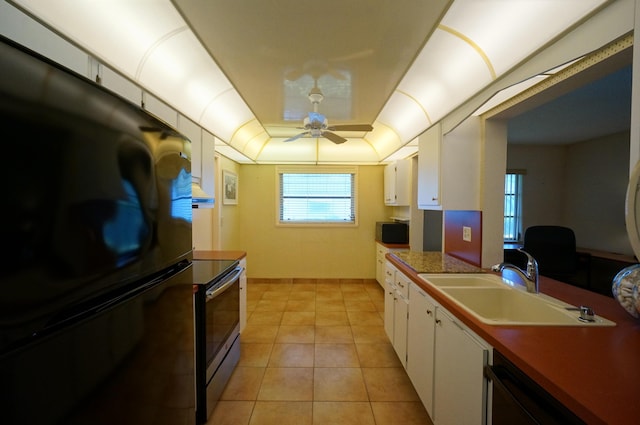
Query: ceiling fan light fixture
(315, 95)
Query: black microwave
(392, 232)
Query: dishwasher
(517, 399)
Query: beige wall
(582, 185)
(302, 252)
(227, 217)
(218, 227)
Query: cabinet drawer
(402, 285)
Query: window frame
(517, 210)
(316, 170)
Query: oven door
(217, 339)
(222, 319)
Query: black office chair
(554, 247)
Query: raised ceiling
(586, 99)
(273, 51)
(243, 69)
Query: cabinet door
(157, 107)
(420, 345)
(208, 176)
(460, 387)
(119, 84)
(194, 133)
(389, 297)
(397, 183)
(403, 182)
(400, 314)
(381, 251)
(429, 168)
(390, 184)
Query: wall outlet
(466, 233)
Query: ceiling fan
(317, 125)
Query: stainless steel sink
(496, 301)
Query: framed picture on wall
(229, 188)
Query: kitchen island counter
(594, 371)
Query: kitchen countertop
(218, 255)
(435, 262)
(394, 245)
(594, 371)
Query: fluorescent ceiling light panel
(303, 150)
(329, 152)
(405, 115)
(149, 42)
(446, 73)
(225, 114)
(233, 154)
(402, 153)
(509, 31)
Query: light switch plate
(466, 233)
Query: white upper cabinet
(207, 179)
(202, 161)
(397, 183)
(116, 83)
(160, 109)
(429, 168)
(449, 167)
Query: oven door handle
(226, 283)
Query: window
(320, 196)
(513, 206)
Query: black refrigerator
(96, 315)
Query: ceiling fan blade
(334, 137)
(297, 136)
(351, 127)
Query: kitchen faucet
(530, 275)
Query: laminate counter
(594, 371)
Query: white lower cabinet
(396, 310)
(460, 389)
(389, 299)
(445, 362)
(381, 261)
(421, 344)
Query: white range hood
(199, 198)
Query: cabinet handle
(435, 198)
(429, 312)
(438, 321)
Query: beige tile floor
(315, 353)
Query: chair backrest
(554, 247)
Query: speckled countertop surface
(434, 262)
